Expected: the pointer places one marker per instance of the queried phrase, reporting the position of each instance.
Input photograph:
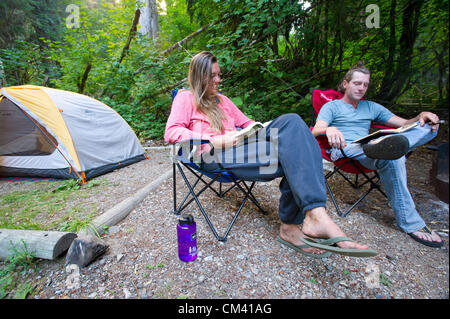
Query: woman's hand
(224, 141)
(335, 137)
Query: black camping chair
(182, 159)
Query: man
(349, 118)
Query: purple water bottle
(187, 238)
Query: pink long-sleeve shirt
(185, 122)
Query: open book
(250, 130)
(383, 132)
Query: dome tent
(47, 132)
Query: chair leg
(224, 238)
(182, 205)
(357, 202)
(174, 188)
(373, 185)
(191, 190)
(252, 197)
(199, 177)
(247, 192)
(333, 199)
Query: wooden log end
(41, 244)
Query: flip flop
(330, 245)
(300, 248)
(426, 229)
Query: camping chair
(343, 165)
(182, 157)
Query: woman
(202, 113)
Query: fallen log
(41, 244)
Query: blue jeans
(393, 177)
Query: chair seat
(223, 177)
(343, 163)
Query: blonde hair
(359, 67)
(199, 80)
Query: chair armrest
(322, 140)
(379, 126)
(190, 146)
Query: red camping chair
(343, 165)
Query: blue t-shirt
(353, 123)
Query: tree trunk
(394, 84)
(325, 38)
(388, 72)
(149, 20)
(2, 75)
(441, 68)
(316, 42)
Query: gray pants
(286, 148)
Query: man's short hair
(359, 67)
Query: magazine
(383, 132)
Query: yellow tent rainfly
(53, 133)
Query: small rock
(73, 278)
(390, 257)
(84, 249)
(143, 293)
(127, 293)
(119, 257)
(113, 229)
(254, 270)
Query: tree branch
(163, 90)
(178, 44)
(81, 85)
(131, 35)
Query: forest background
(130, 54)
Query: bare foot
(318, 224)
(292, 234)
(428, 237)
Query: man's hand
(431, 118)
(335, 137)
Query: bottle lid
(186, 220)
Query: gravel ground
(142, 260)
